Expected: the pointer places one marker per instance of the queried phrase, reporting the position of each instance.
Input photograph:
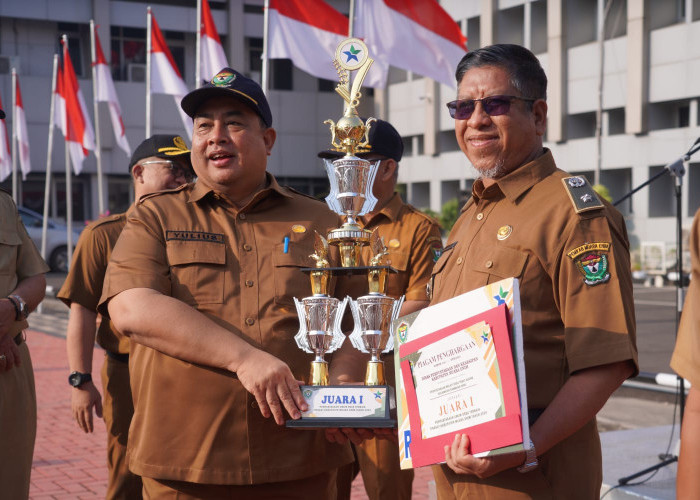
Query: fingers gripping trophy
(351, 179)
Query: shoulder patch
(159, 193)
(581, 194)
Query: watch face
(75, 379)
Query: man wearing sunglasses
(414, 244)
(160, 162)
(528, 219)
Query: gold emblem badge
(504, 232)
(298, 228)
(394, 243)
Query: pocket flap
(503, 262)
(189, 252)
(296, 256)
(399, 260)
(10, 238)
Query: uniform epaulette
(431, 219)
(581, 194)
(159, 193)
(303, 194)
(107, 219)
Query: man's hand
(7, 316)
(272, 384)
(83, 399)
(461, 461)
(9, 353)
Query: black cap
(2, 114)
(162, 146)
(229, 82)
(383, 138)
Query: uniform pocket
(9, 250)
(499, 263)
(396, 286)
(198, 271)
(290, 282)
(437, 277)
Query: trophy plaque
(351, 179)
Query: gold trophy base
(349, 238)
(375, 373)
(319, 373)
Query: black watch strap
(76, 379)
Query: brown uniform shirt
(525, 226)
(686, 355)
(84, 281)
(195, 423)
(414, 244)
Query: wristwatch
(20, 306)
(530, 459)
(76, 379)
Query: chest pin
(504, 232)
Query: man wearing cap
(22, 286)
(160, 162)
(414, 244)
(202, 280)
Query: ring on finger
(3, 357)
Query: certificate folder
(443, 388)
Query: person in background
(160, 162)
(570, 252)
(414, 244)
(22, 288)
(686, 363)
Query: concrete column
(381, 105)
(527, 24)
(236, 38)
(100, 13)
(488, 22)
(693, 113)
(637, 68)
(436, 195)
(557, 71)
(431, 118)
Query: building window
(128, 52)
(254, 49)
(75, 46)
(281, 74)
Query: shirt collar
(519, 180)
(390, 210)
(202, 189)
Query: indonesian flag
(78, 130)
(5, 155)
(107, 93)
(165, 77)
(21, 131)
(59, 117)
(308, 32)
(213, 58)
(415, 35)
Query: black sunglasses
(494, 105)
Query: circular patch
(504, 232)
(351, 54)
(298, 228)
(394, 243)
(223, 78)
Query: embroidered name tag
(194, 236)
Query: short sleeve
(425, 251)
(594, 291)
(139, 258)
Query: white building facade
(650, 93)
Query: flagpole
(49, 153)
(351, 23)
(148, 71)
(266, 26)
(69, 187)
(198, 46)
(98, 141)
(15, 194)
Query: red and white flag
(59, 116)
(415, 35)
(5, 154)
(165, 77)
(213, 58)
(21, 131)
(107, 93)
(77, 127)
(308, 32)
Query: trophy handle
(338, 335)
(300, 337)
(332, 198)
(370, 200)
(356, 335)
(394, 314)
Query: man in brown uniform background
(160, 162)
(414, 243)
(202, 281)
(22, 287)
(686, 362)
(529, 220)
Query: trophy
(319, 316)
(351, 179)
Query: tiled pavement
(69, 464)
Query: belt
(117, 356)
(533, 414)
(19, 338)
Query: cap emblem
(179, 147)
(223, 78)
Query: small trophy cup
(320, 316)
